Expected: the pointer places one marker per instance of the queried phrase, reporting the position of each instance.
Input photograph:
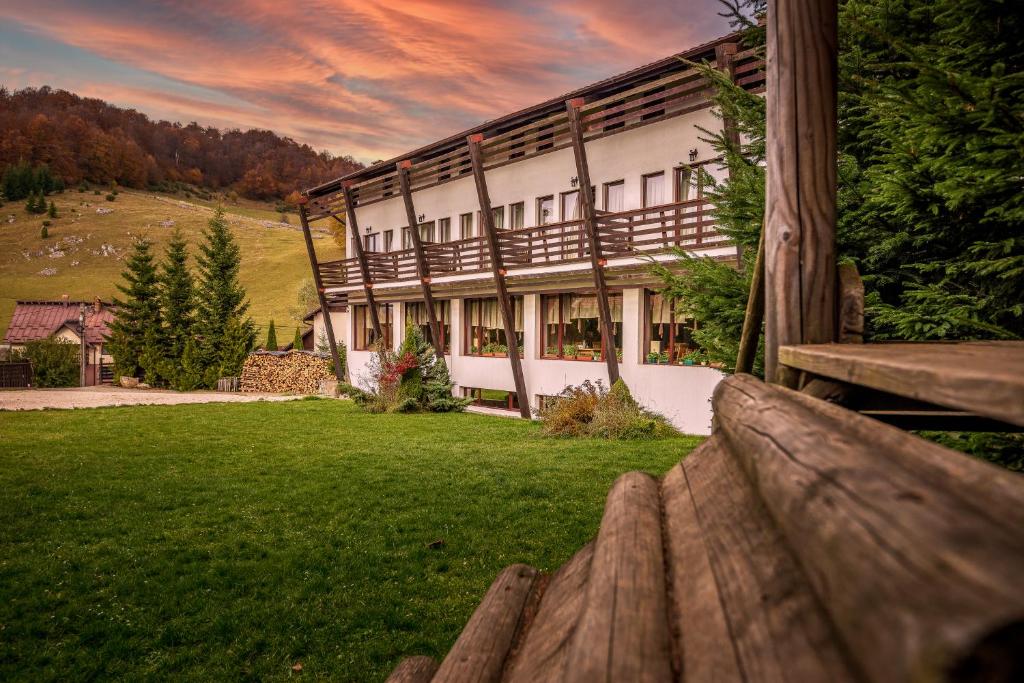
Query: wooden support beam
(422, 268)
(754, 316)
(339, 372)
(800, 197)
(498, 270)
(364, 267)
(597, 263)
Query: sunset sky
(359, 77)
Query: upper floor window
(654, 189)
(444, 229)
(465, 226)
(683, 177)
(370, 242)
(363, 335)
(427, 231)
(416, 314)
(570, 205)
(668, 333)
(498, 215)
(572, 325)
(615, 196)
(485, 328)
(545, 210)
(406, 238)
(389, 240)
(517, 215)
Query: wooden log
(623, 632)
(498, 270)
(597, 263)
(914, 550)
(543, 655)
(800, 193)
(414, 670)
(339, 372)
(704, 650)
(480, 652)
(777, 629)
(984, 378)
(754, 316)
(851, 305)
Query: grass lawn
(230, 541)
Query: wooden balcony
(652, 230)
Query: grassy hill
(84, 253)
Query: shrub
(55, 362)
(111, 197)
(591, 410)
(52, 211)
(96, 192)
(44, 233)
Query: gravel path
(96, 397)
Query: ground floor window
(572, 326)
(416, 314)
(364, 337)
(485, 329)
(669, 335)
(492, 398)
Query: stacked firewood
(298, 372)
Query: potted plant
(521, 350)
(584, 354)
(652, 358)
(488, 349)
(663, 358)
(569, 350)
(551, 352)
(500, 350)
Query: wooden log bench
(802, 542)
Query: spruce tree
(271, 337)
(222, 321)
(297, 341)
(177, 298)
(52, 211)
(137, 316)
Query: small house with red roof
(34, 320)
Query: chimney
(97, 305)
(64, 299)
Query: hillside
(83, 256)
(82, 138)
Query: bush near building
(591, 410)
(55, 362)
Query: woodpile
(298, 372)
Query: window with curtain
(654, 189)
(485, 329)
(517, 215)
(389, 240)
(669, 335)
(370, 242)
(572, 325)
(444, 229)
(364, 337)
(545, 210)
(498, 215)
(465, 226)
(427, 231)
(406, 238)
(570, 202)
(683, 184)
(615, 196)
(416, 314)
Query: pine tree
(52, 211)
(271, 337)
(137, 317)
(44, 233)
(222, 305)
(297, 341)
(177, 298)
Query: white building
(638, 137)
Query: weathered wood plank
(704, 646)
(851, 305)
(915, 551)
(984, 378)
(623, 632)
(414, 670)
(800, 191)
(479, 653)
(543, 655)
(779, 630)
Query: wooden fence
(15, 374)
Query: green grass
(274, 260)
(230, 541)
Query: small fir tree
(177, 298)
(44, 233)
(137, 317)
(297, 341)
(271, 337)
(52, 211)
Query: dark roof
(601, 88)
(34, 320)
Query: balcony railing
(687, 225)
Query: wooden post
(84, 360)
(422, 268)
(597, 262)
(498, 270)
(754, 315)
(364, 267)
(319, 284)
(800, 196)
